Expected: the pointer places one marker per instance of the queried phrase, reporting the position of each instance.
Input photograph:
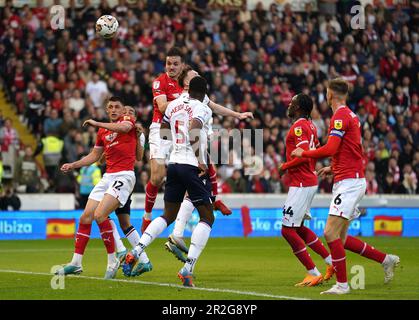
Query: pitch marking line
(160, 284)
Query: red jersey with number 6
(119, 148)
(347, 162)
(302, 133)
(163, 85)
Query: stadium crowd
(253, 60)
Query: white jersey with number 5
(179, 115)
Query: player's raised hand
(67, 167)
(90, 122)
(324, 172)
(246, 115)
(203, 168)
(297, 153)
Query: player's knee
(86, 218)
(169, 218)
(156, 179)
(99, 218)
(208, 220)
(329, 235)
(124, 224)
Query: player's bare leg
(313, 277)
(103, 210)
(158, 172)
(82, 238)
(335, 228)
(199, 240)
(131, 267)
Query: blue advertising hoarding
(22, 225)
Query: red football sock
(338, 259)
(298, 247)
(364, 249)
(106, 233)
(150, 196)
(212, 172)
(82, 237)
(313, 241)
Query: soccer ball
(107, 26)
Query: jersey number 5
(180, 135)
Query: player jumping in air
(166, 89)
(176, 244)
(187, 172)
(118, 141)
(303, 187)
(344, 145)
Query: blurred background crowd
(254, 60)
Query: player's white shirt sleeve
(202, 113)
(206, 100)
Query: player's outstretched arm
(139, 152)
(226, 112)
(120, 127)
(329, 149)
(91, 158)
(162, 103)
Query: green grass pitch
(230, 268)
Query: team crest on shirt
(127, 118)
(298, 131)
(156, 84)
(111, 137)
(338, 124)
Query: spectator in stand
(236, 182)
(254, 60)
(27, 175)
(9, 137)
(97, 91)
(53, 122)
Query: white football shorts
(347, 194)
(119, 185)
(297, 206)
(159, 149)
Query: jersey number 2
(180, 136)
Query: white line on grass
(160, 284)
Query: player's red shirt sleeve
(159, 87)
(99, 139)
(128, 119)
(329, 149)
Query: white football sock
(119, 245)
(198, 241)
(183, 216)
(314, 272)
(156, 227)
(77, 258)
(343, 285)
(328, 260)
(133, 236)
(112, 260)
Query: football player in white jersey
(187, 172)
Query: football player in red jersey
(166, 89)
(303, 187)
(345, 147)
(118, 141)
